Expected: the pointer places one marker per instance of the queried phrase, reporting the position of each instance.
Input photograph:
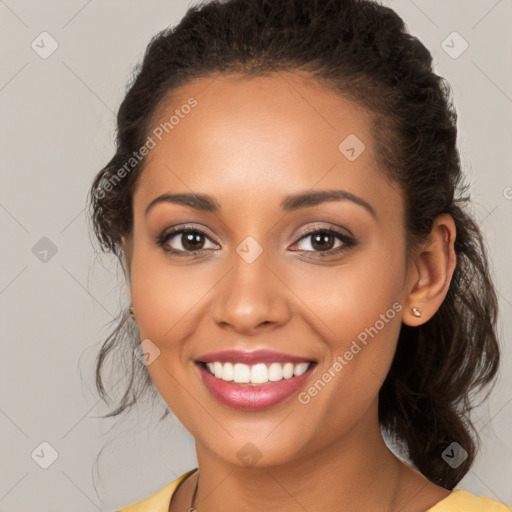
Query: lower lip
(252, 397)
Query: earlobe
(434, 265)
(416, 311)
(125, 245)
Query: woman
(285, 201)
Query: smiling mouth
(256, 374)
(256, 386)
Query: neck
(357, 472)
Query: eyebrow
(206, 203)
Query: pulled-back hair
(361, 50)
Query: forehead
(245, 137)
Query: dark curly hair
(361, 50)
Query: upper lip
(251, 357)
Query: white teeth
(257, 374)
(217, 369)
(241, 373)
(300, 368)
(288, 370)
(275, 372)
(227, 371)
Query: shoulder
(463, 501)
(158, 502)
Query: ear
(430, 272)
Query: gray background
(57, 131)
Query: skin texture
(249, 143)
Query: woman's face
(258, 282)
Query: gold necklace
(193, 504)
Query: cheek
(353, 295)
(166, 299)
(358, 311)
(165, 294)
(363, 320)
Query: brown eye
(192, 240)
(185, 240)
(323, 242)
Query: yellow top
(457, 501)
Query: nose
(251, 297)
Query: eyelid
(166, 234)
(348, 241)
(323, 227)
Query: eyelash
(348, 242)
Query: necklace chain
(193, 504)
